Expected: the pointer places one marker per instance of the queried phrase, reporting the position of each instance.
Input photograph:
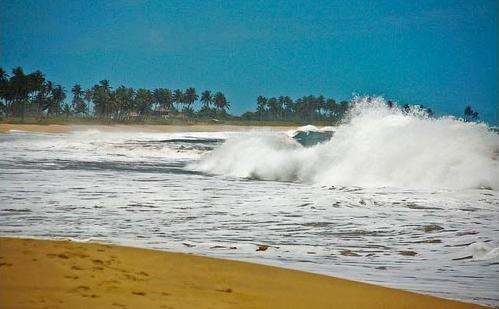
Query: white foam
(377, 147)
(481, 251)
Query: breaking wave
(377, 147)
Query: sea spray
(378, 146)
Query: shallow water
(145, 189)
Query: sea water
(396, 199)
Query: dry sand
(63, 274)
(54, 128)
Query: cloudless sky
(438, 53)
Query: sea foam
(377, 147)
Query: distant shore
(64, 274)
(64, 128)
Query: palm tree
(106, 96)
(261, 103)
(57, 97)
(190, 97)
(23, 86)
(320, 105)
(470, 114)
(124, 98)
(18, 85)
(178, 97)
(280, 107)
(35, 83)
(344, 108)
(163, 97)
(44, 97)
(220, 102)
(272, 104)
(5, 93)
(4, 90)
(288, 106)
(331, 108)
(101, 96)
(143, 101)
(206, 99)
(79, 105)
(88, 98)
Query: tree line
(23, 93)
(32, 94)
(305, 109)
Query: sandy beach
(51, 128)
(56, 128)
(64, 274)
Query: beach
(227, 192)
(158, 128)
(65, 274)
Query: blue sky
(438, 53)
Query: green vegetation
(470, 114)
(31, 98)
(308, 109)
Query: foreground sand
(63, 274)
(55, 128)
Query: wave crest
(377, 147)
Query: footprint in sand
(71, 277)
(60, 255)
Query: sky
(441, 54)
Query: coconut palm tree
(331, 108)
(272, 103)
(190, 97)
(261, 103)
(57, 97)
(79, 105)
(220, 102)
(163, 97)
(124, 98)
(178, 97)
(470, 114)
(206, 99)
(289, 107)
(143, 101)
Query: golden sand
(54, 128)
(51, 128)
(64, 274)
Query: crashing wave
(378, 147)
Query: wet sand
(54, 128)
(50, 128)
(64, 274)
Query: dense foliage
(32, 94)
(306, 109)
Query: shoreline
(64, 274)
(153, 128)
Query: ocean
(395, 199)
